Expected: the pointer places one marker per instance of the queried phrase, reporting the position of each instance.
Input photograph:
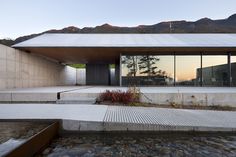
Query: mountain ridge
(203, 25)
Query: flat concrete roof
(106, 48)
(131, 40)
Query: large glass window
(129, 66)
(233, 71)
(148, 70)
(188, 70)
(215, 70)
(160, 70)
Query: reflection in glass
(188, 70)
(129, 65)
(214, 70)
(233, 71)
(148, 70)
(159, 70)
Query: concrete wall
(117, 74)
(191, 98)
(81, 76)
(113, 77)
(19, 69)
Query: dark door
(97, 74)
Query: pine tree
(147, 65)
(131, 64)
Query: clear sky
(23, 17)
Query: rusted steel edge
(36, 143)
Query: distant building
(217, 75)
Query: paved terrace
(37, 94)
(224, 96)
(120, 118)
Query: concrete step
(78, 100)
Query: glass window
(233, 71)
(129, 65)
(188, 70)
(215, 70)
(148, 70)
(164, 71)
(158, 70)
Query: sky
(23, 17)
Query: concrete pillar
(97, 74)
(117, 73)
(229, 70)
(120, 70)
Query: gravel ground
(142, 145)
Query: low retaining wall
(189, 98)
(204, 99)
(19, 69)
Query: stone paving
(120, 118)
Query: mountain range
(204, 25)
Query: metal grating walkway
(167, 119)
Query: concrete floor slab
(39, 94)
(157, 95)
(53, 111)
(50, 89)
(99, 89)
(121, 118)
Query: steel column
(229, 69)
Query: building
(143, 59)
(217, 75)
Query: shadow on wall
(68, 76)
(19, 69)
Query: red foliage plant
(117, 96)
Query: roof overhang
(106, 48)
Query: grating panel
(170, 117)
